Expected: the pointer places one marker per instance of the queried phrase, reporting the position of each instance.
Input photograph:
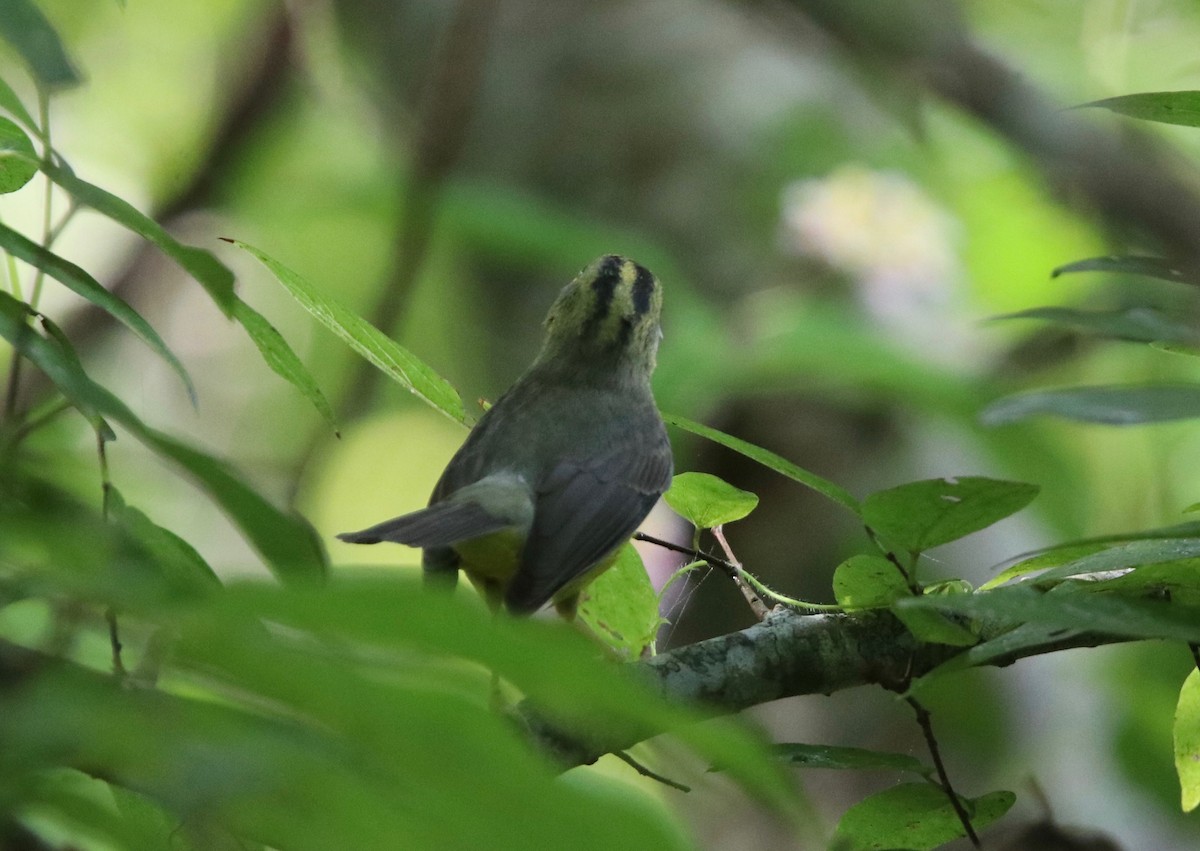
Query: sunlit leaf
(706, 501)
(1182, 108)
(621, 605)
(769, 460)
(396, 361)
(1187, 742)
(18, 161)
(1134, 404)
(202, 265)
(279, 356)
(920, 515)
(868, 581)
(24, 26)
(914, 817)
(80, 282)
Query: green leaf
(202, 265)
(1123, 556)
(856, 759)
(24, 27)
(1181, 108)
(868, 582)
(279, 356)
(18, 160)
(914, 817)
(556, 668)
(1150, 267)
(1071, 550)
(1070, 607)
(932, 626)
(11, 104)
(706, 501)
(286, 541)
(621, 607)
(1187, 742)
(80, 282)
(181, 566)
(1138, 324)
(1133, 404)
(920, 515)
(395, 361)
(769, 460)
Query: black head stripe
(608, 276)
(643, 290)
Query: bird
(559, 473)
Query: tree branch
(786, 655)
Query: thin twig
(755, 602)
(923, 719)
(645, 772)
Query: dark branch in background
(787, 655)
(254, 97)
(1127, 181)
(446, 109)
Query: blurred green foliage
(185, 663)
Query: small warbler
(561, 471)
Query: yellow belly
(490, 562)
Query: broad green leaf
(921, 515)
(1070, 607)
(769, 460)
(914, 817)
(621, 607)
(11, 104)
(1139, 324)
(72, 357)
(202, 265)
(285, 540)
(1182, 108)
(24, 27)
(707, 501)
(279, 356)
(855, 759)
(1071, 550)
(932, 626)
(1122, 556)
(557, 669)
(80, 282)
(1133, 404)
(1187, 742)
(867, 582)
(180, 565)
(18, 160)
(396, 361)
(1151, 267)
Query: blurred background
(832, 242)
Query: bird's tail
(439, 525)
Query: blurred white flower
(896, 245)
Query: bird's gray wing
(583, 511)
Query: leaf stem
(926, 724)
